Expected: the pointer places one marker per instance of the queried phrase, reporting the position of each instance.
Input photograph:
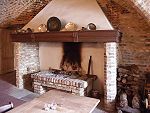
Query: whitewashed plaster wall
(80, 12)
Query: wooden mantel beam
(69, 36)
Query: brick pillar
(110, 75)
(26, 61)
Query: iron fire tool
(93, 77)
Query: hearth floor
(9, 92)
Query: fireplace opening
(71, 60)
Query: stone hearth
(57, 79)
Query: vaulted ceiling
(19, 12)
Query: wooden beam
(68, 36)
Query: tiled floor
(9, 93)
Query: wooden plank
(67, 103)
(68, 36)
(43, 37)
(99, 36)
(55, 37)
(7, 52)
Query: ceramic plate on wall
(53, 24)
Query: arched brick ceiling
(141, 6)
(20, 12)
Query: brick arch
(17, 12)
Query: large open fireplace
(69, 77)
(40, 52)
(28, 61)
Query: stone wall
(26, 60)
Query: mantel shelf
(68, 36)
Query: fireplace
(35, 56)
(28, 60)
(69, 78)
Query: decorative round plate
(91, 26)
(53, 24)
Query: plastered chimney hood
(80, 12)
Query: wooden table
(66, 103)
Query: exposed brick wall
(19, 11)
(112, 10)
(22, 11)
(135, 48)
(26, 60)
(135, 53)
(135, 45)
